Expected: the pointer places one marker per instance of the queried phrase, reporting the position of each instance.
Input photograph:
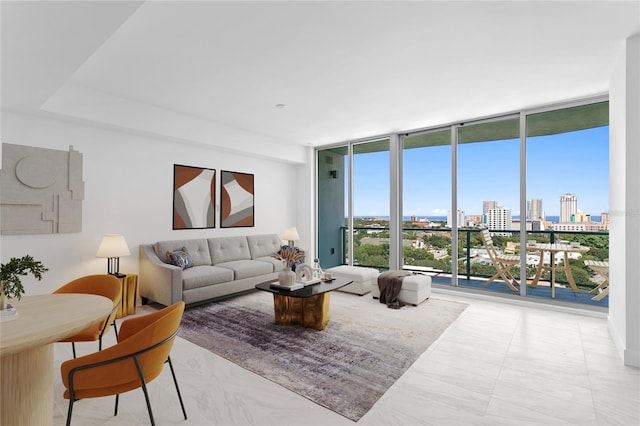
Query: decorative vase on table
(4, 302)
(287, 277)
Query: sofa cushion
(263, 245)
(247, 268)
(202, 276)
(198, 250)
(180, 258)
(227, 249)
(278, 265)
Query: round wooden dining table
(553, 249)
(26, 350)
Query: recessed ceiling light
(280, 106)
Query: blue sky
(575, 162)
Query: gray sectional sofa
(221, 267)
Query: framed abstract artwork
(236, 199)
(194, 195)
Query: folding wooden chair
(502, 262)
(601, 268)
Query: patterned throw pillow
(180, 258)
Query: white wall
(128, 189)
(624, 248)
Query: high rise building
(581, 217)
(604, 218)
(499, 219)
(460, 218)
(568, 207)
(474, 219)
(488, 204)
(535, 210)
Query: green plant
(11, 272)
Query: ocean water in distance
(552, 219)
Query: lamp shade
(113, 245)
(290, 234)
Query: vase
(287, 277)
(3, 300)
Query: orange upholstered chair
(139, 356)
(101, 285)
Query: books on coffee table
(297, 286)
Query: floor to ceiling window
(538, 177)
(370, 228)
(488, 197)
(568, 198)
(426, 200)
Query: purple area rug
(346, 367)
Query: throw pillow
(180, 258)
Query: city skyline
(567, 163)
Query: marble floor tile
(497, 364)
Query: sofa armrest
(158, 281)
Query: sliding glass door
(370, 228)
(353, 204)
(488, 197)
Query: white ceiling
(344, 70)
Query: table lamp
(113, 246)
(291, 235)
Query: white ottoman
(363, 278)
(415, 289)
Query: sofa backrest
(263, 245)
(226, 249)
(198, 250)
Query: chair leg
(601, 286)
(509, 279)
(490, 280)
(69, 411)
(115, 410)
(144, 389)
(601, 295)
(177, 388)
(115, 328)
(73, 346)
(507, 276)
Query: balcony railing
(428, 250)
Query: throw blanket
(390, 284)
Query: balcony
(428, 251)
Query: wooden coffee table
(308, 306)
